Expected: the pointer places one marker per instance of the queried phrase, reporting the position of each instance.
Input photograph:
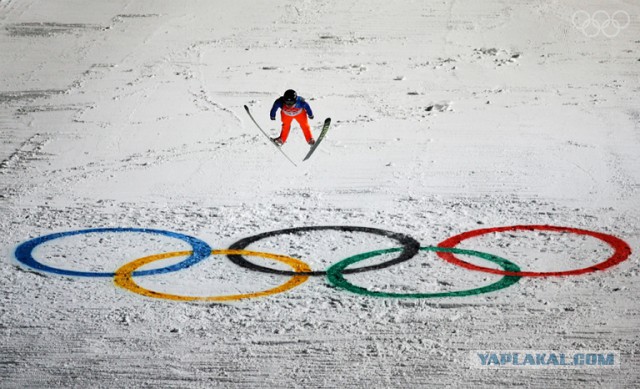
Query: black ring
(410, 249)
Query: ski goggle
(289, 103)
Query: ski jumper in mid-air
(292, 107)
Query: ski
(268, 137)
(325, 128)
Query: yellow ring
(124, 276)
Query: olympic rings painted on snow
(600, 22)
(511, 273)
(622, 251)
(410, 248)
(24, 252)
(124, 276)
(335, 275)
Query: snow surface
(448, 116)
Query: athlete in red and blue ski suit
(292, 107)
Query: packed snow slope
(125, 118)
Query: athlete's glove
(273, 118)
(311, 117)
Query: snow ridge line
(32, 29)
(27, 150)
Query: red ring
(621, 250)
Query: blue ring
(24, 252)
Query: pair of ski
(325, 128)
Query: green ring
(336, 278)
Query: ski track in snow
(447, 117)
